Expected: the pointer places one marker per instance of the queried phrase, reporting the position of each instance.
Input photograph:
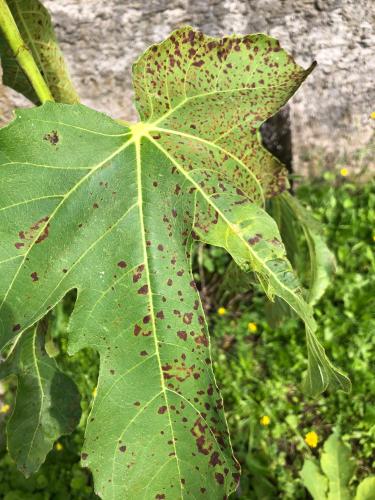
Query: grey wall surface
(330, 113)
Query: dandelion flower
(252, 327)
(265, 420)
(222, 311)
(5, 408)
(312, 439)
(59, 446)
(344, 172)
(372, 115)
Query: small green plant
(331, 480)
(111, 209)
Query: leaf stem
(22, 53)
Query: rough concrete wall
(329, 115)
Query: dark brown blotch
(52, 137)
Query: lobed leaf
(111, 210)
(35, 26)
(47, 404)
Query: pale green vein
(25, 202)
(147, 270)
(41, 165)
(68, 125)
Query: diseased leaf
(34, 23)
(111, 210)
(47, 403)
(337, 465)
(313, 480)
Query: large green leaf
(47, 404)
(112, 210)
(366, 489)
(322, 261)
(313, 480)
(337, 465)
(36, 29)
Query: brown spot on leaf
(187, 318)
(137, 330)
(214, 460)
(122, 264)
(52, 137)
(219, 477)
(43, 235)
(34, 276)
(182, 334)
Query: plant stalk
(22, 53)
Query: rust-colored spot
(122, 264)
(219, 477)
(137, 330)
(16, 327)
(162, 410)
(34, 276)
(187, 318)
(214, 459)
(122, 448)
(43, 235)
(182, 334)
(143, 290)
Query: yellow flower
(5, 408)
(344, 172)
(59, 446)
(312, 439)
(372, 115)
(265, 420)
(94, 391)
(222, 311)
(252, 327)
(373, 237)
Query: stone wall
(330, 113)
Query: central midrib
(147, 270)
